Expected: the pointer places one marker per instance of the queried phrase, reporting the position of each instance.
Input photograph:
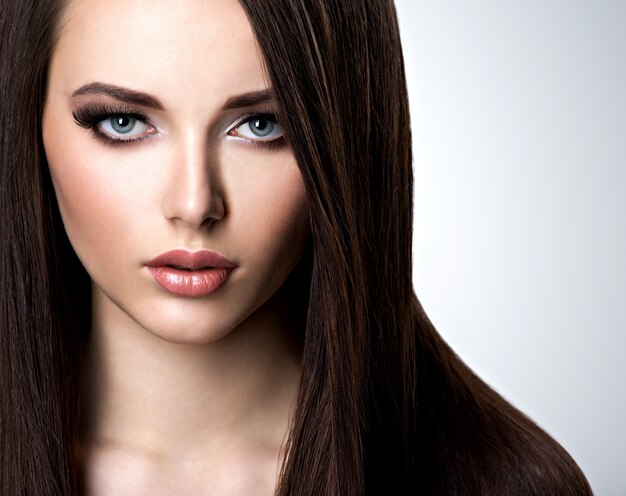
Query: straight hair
(45, 303)
(384, 405)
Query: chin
(189, 328)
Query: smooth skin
(185, 395)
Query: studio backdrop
(519, 120)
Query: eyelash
(267, 144)
(90, 116)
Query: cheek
(73, 185)
(270, 208)
(286, 219)
(90, 201)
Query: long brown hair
(385, 406)
(45, 292)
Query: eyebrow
(121, 94)
(249, 99)
(144, 99)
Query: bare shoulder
(113, 471)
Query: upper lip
(191, 260)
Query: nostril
(193, 195)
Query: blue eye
(114, 125)
(123, 125)
(259, 127)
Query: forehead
(172, 48)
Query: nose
(193, 195)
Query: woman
(206, 252)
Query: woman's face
(159, 136)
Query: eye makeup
(92, 115)
(254, 116)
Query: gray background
(519, 121)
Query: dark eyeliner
(90, 115)
(266, 144)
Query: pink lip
(206, 272)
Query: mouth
(185, 260)
(183, 273)
(188, 269)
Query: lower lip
(190, 283)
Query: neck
(155, 396)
